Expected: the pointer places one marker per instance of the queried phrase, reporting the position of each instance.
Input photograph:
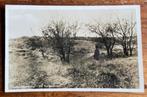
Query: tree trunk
(125, 51)
(62, 53)
(67, 58)
(109, 52)
(67, 55)
(63, 57)
(131, 51)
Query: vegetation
(60, 59)
(61, 36)
(123, 31)
(108, 34)
(127, 36)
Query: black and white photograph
(73, 48)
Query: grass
(28, 69)
(115, 73)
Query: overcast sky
(28, 21)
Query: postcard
(73, 48)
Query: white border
(139, 42)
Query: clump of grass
(108, 74)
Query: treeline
(99, 39)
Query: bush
(104, 75)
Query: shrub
(103, 75)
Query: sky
(30, 20)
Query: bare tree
(61, 36)
(107, 33)
(127, 35)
